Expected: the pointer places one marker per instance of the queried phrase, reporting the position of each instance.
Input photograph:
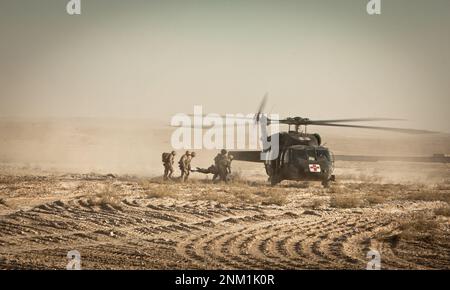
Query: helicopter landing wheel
(274, 180)
(326, 183)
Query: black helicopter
(301, 156)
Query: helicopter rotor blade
(261, 107)
(306, 121)
(196, 126)
(392, 129)
(288, 121)
(356, 120)
(223, 116)
(191, 126)
(210, 126)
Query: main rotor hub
(297, 121)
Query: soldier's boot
(183, 176)
(225, 178)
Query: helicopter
(301, 155)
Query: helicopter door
(284, 159)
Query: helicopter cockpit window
(323, 154)
(311, 155)
(299, 155)
(308, 154)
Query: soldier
(168, 160)
(209, 170)
(230, 159)
(182, 164)
(185, 165)
(221, 164)
(221, 168)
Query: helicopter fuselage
(300, 157)
(302, 163)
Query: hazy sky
(151, 59)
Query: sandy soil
(51, 204)
(127, 222)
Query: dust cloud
(134, 146)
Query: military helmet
(193, 154)
(173, 153)
(223, 151)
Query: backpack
(165, 157)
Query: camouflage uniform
(221, 168)
(222, 165)
(209, 170)
(168, 165)
(230, 159)
(185, 165)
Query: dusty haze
(96, 91)
(152, 59)
(85, 104)
(134, 146)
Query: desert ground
(126, 222)
(120, 220)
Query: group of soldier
(184, 164)
(221, 169)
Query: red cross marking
(314, 167)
